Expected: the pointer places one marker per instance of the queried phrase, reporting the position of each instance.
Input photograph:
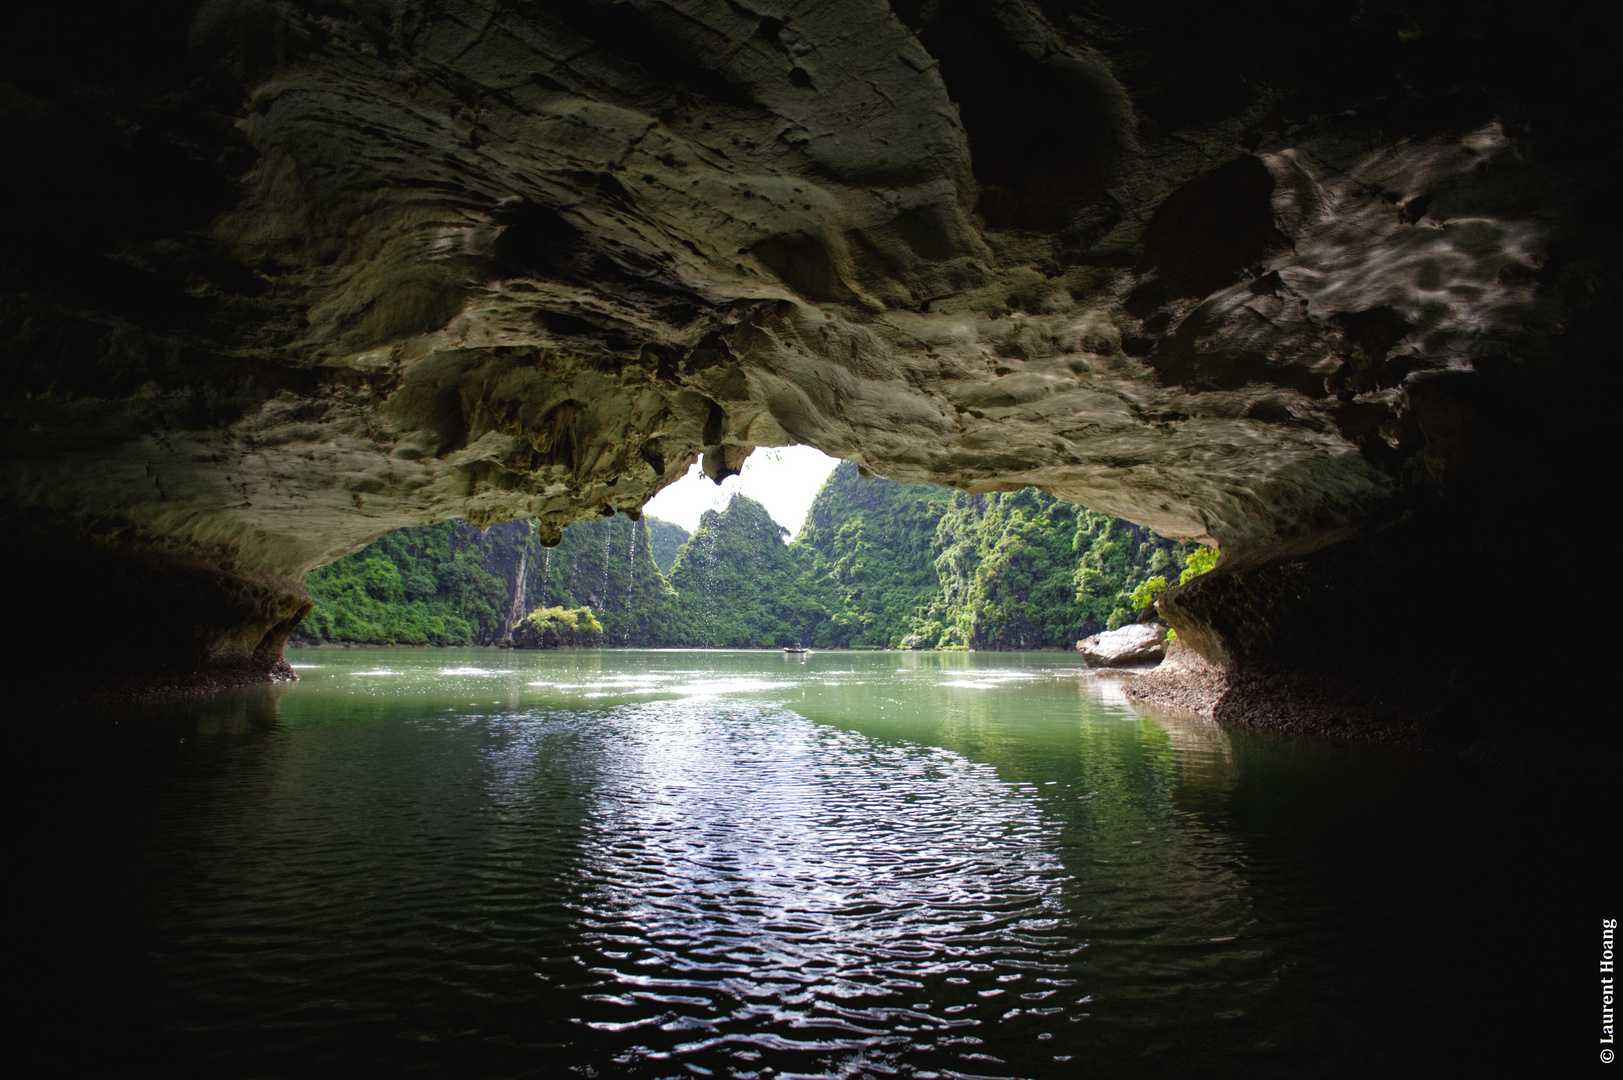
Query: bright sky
(783, 479)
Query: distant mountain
(866, 548)
(1023, 570)
(445, 584)
(877, 564)
(739, 584)
(666, 539)
(453, 584)
(608, 564)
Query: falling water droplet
(631, 574)
(710, 588)
(608, 535)
(515, 611)
(546, 570)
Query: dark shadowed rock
(277, 279)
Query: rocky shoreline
(1422, 713)
(1184, 680)
(155, 688)
(1324, 703)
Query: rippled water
(653, 864)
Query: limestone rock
(276, 279)
(1183, 680)
(557, 628)
(1139, 643)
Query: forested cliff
(877, 564)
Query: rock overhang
(1260, 286)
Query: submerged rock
(1140, 643)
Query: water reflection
(760, 884)
(644, 863)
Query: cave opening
(1331, 290)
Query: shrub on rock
(556, 627)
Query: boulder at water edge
(1136, 644)
(558, 628)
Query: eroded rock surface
(1140, 643)
(280, 278)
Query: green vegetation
(866, 553)
(739, 585)
(1024, 570)
(556, 627)
(878, 564)
(665, 539)
(1145, 592)
(608, 565)
(427, 586)
(1198, 562)
(452, 584)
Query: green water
(651, 864)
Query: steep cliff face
(279, 278)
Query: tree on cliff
(608, 564)
(865, 550)
(877, 564)
(1022, 570)
(738, 584)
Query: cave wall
(277, 278)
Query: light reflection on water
(758, 881)
(743, 864)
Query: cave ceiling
(280, 277)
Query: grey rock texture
(280, 278)
(1183, 680)
(1139, 643)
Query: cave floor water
(745, 864)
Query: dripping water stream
(631, 576)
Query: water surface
(653, 864)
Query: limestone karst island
(770, 538)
